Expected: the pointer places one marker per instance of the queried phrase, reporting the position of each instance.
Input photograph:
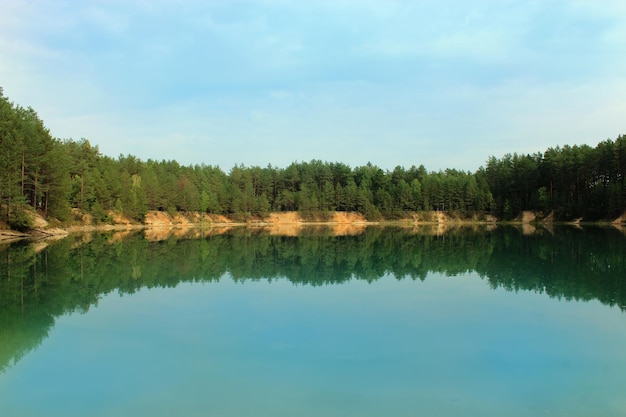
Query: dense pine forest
(54, 176)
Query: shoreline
(288, 223)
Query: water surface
(388, 322)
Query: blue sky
(441, 83)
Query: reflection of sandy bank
(451, 228)
(185, 230)
(528, 229)
(442, 228)
(347, 229)
(39, 246)
(292, 224)
(297, 229)
(348, 217)
(119, 236)
(490, 227)
(620, 227)
(8, 236)
(292, 229)
(436, 229)
(84, 239)
(157, 234)
(217, 230)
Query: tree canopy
(54, 176)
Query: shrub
(20, 220)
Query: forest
(54, 176)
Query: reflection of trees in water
(572, 264)
(72, 274)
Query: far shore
(288, 223)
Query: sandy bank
(160, 225)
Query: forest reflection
(39, 281)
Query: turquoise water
(312, 329)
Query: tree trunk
(22, 172)
(35, 191)
(9, 196)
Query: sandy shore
(160, 225)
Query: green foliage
(99, 214)
(54, 176)
(571, 181)
(19, 219)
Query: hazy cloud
(439, 83)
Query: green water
(390, 322)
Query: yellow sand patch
(119, 218)
(620, 219)
(216, 218)
(288, 217)
(38, 221)
(163, 219)
(181, 220)
(157, 219)
(293, 217)
(528, 217)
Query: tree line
(571, 181)
(54, 176)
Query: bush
(99, 214)
(20, 220)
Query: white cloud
(441, 83)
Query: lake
(386, 322)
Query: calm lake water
(388, 322)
